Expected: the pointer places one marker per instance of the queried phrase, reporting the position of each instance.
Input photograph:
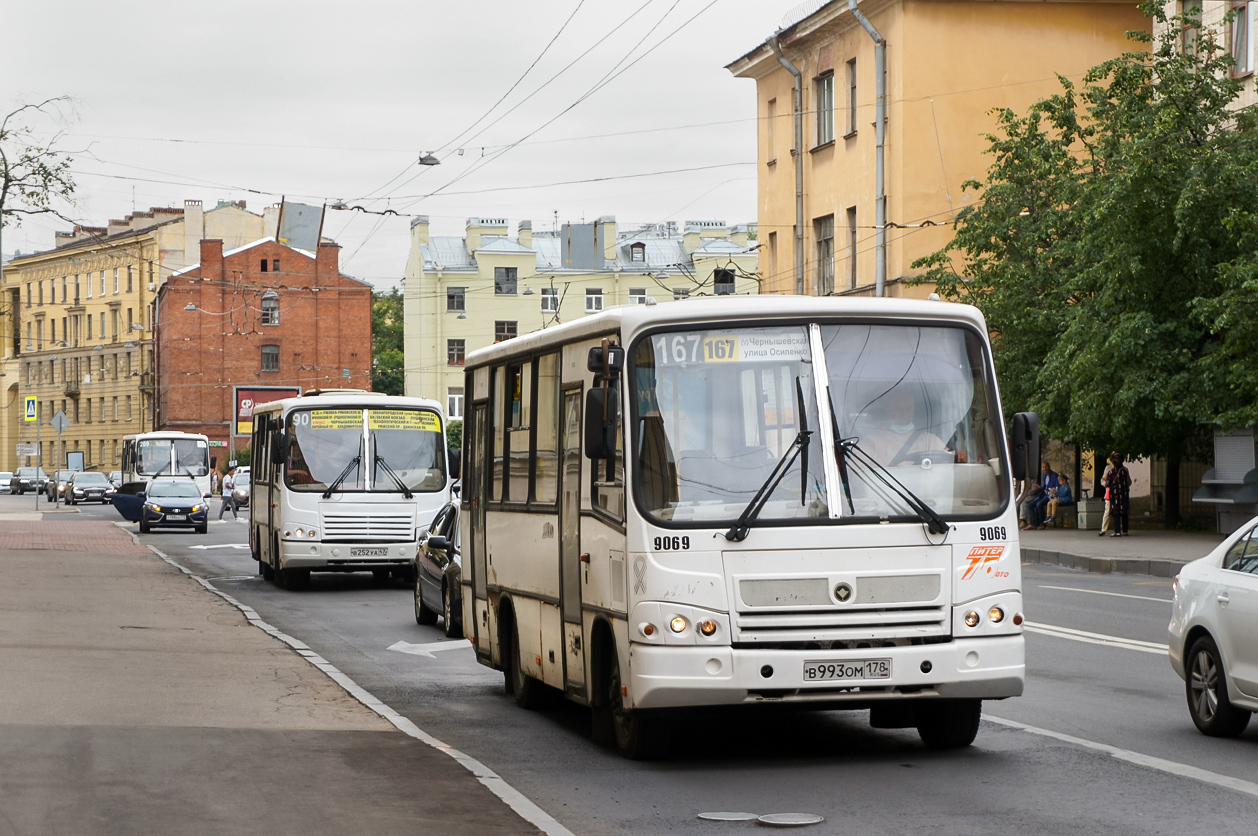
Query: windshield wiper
(934, 523)
(397, 480)
(336, 483)
(840, 452)
(800, 445)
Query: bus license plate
(851, 669)
(176, 516)
(370, 551)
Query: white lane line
(1181, 770)
(1095, 638)
(512, 797)
(429, 648)
(1114, 594)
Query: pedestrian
(1119, 484)
(1106, 518)
(1062, 497)
(1048, 489)
(1030, 490)
(213, 481)
(229, 494)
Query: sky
(531, 108)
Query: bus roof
(347, 397)
(629, 319)
(156, 434)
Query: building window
(1242, 44)
(505, 330)
(455, 350)
(770, 131)
(130, 279)
(275, 265)
(550, 300)
(723, 282)
(41, 291)
(851, 246)
(824, 90)
(89, 410)
(129, 415)
(116, 407)
(117, 282)
(270, 358)
(851, 97)
(593, 299)
(264, 265)
(102, 324)
(824, 230)
(113, 319)
(637, 296)
(130, 322)
(90, 320)
(76, 288)
(456, 299)
(504, 281)
(681, 293)
(29, 299)
(114, 363)
(270, 308)
(65, 289)
(454, 402)
(637, 253)
(102, 293)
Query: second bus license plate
(851, 669)
(370, 551)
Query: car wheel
(144, 527)
(949, 724)
(423, 615)
(526, 690)
(203, 528)
(454, 630)
(1206, 688)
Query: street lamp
(428, 159)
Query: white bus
(163, 453)
(344, 481)
(747, 500)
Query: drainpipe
(798, 153)
(880, 137)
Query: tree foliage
(34, 176)
(387, 343)
(1115, 250)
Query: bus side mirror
(1025, 455)
(456, 460)
(213, 462)
(278, 453)
(600, 433)
(612, 364)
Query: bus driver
(898, 440)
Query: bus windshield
(716, 410)
(191, 457)
(326, 447)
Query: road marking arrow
(427, 649)
(223, 546)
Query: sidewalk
(132, 700)
(1159, 553)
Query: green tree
(1113, 249)
(387, 351)
(34, 176)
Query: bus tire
(949, 724)
(423, 615)
(526, 690)
(639, 735)
(294, 580)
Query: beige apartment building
(945, 64)
(465, 293)
(1235, 35)
(76, 331)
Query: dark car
(438, 573)
(241, 489)
(89, 486)
(55, 490)
(174, 503)
(28, 479)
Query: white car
(1214, 634)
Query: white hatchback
(1214, 634)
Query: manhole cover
(728, 816)
(790, 819)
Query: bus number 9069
(671, 544)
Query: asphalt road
(1100, 742)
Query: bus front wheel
(949, 724)
(639, 735)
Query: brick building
(264, 314)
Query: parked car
(241, 489)
(1214, 634)
(438, 573)
(89, 486)
(174, 503)
(115, 478)
(28, 479)
(55, 489)
(6, 476)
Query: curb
(1157, 567)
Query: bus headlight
(678, 624)
(708, 628)
(971, 619)
(996, 614)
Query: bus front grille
(384, 528)
(869, 625)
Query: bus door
(474, 493)
(570, 543)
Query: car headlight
(196, 508)
(156, 508)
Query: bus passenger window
(498, 402)
(545, 455)
(608, 492)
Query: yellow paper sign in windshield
(403, 419)
(336, 419)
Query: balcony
(72, 388)
(146, 381)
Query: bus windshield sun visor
(738, 531)
(336, 483)
(852, 452)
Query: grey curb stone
(1157, 567)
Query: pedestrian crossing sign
(31, 411)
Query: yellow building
(76, 331)
(948, 63)
(461, 294)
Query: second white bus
(344, 481)
(166, 453)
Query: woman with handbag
(1118, 486)
(1105, 518)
